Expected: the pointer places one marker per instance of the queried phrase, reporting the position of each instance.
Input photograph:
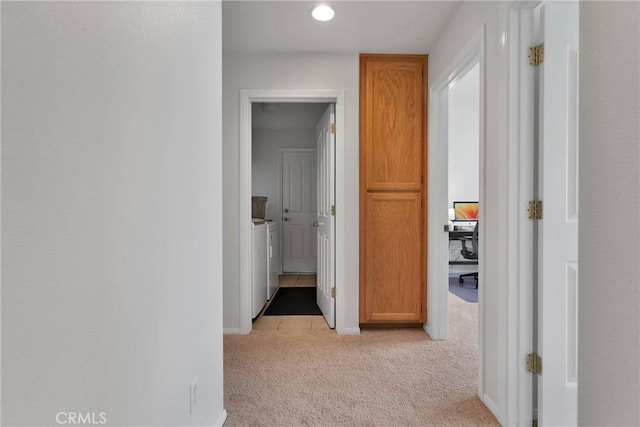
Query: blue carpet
(467, 290)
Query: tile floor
(297, 280)
(290, 323)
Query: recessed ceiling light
(323, 13)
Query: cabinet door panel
(393, 108)
(393, 141)
(394, 290)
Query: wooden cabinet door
(392, 121)
(393, 217)
(394, 290)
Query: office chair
(470, 253)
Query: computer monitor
(465, 211)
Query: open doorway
(472, 57)
(464, 184)
(440, 254)
(298, 120)
(284, 173)
(284, 184)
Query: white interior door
(325, 220)
(558, 232)
(299, 209)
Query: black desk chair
(470, 253)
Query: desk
(462, 235)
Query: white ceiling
(286, 116)
(358, 27)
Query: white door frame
(516, 108)
(247, 97)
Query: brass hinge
(534, 363)
(536, 55)
(333, 292)
(535, 209)
(333, 128)
(333, 210)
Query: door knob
(286, 218)
(315, 224)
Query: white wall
(111, 217)
(464, 136)
(283, 71)
(267, 162)
(459, 33)
(609, 296)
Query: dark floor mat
(294, 301)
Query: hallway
(388, 377)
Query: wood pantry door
(393, 147)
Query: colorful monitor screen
(466, 211)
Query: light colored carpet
(380, 378)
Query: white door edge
(247, 97)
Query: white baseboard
(427, 329)
(221, 418)
(348, 331)
(492, 407)
(231, 331)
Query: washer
(273, 264)
(259, 278)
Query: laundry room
(284, 198)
